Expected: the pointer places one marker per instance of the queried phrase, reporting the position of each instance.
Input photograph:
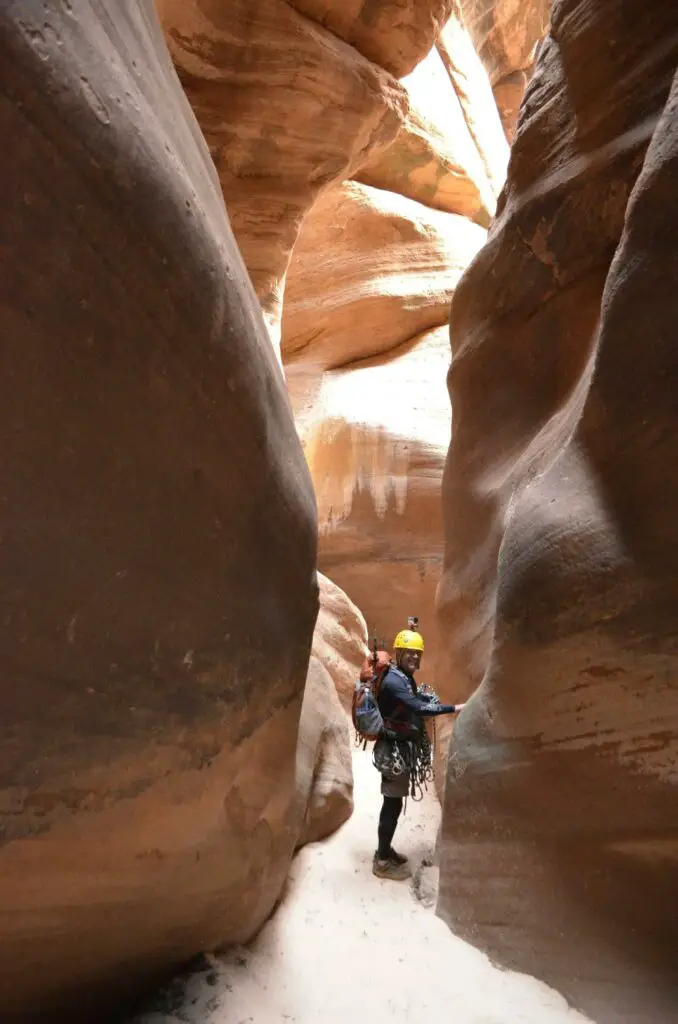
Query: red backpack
(366, 695)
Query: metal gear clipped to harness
(422, 771)
(393, 758)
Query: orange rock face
(365, 345)
(324, 770)
(167, 743)
(357, 198)
(277, 136)
(371, 270)
(559, 599)
(340, 639)
(350, 270)
(449, 153)
(506, 35)
(158, 537)
(393, 33)
(376, 460)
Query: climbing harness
(395, 757)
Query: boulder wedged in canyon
(158, 535)
(558, 603)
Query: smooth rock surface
(339, 639)
(324, 774)
(371, 270)
(352, 270)
(374, 444)
(559, 597)
(371, 277)
(287, 108)
(158, 537)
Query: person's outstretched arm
(402, 692)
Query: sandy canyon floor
(346, 946)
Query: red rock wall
(157, 536)
(506, 35)
(559, 597)
(358, 190)
(159, 525)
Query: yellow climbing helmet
(408, 640)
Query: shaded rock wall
(358, 192)
(158, 537)
(558, 602)
(159, 524)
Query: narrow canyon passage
(346, 946)
(318, 315)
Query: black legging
(388, 819)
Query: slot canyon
(319, 314)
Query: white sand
(345, 946)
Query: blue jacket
(400, 703)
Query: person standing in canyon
(403, 708)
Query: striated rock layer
(293, 97)
(158, 537)
(560, 593)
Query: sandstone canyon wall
(560, 592)
(506, 35)
(158, 537)
(359, 189)
(167, 743)
(364, 335)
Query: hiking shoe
(396, 858)
(388, 869)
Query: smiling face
(409, 661)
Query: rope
(414, 756)
(421, 771)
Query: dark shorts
(398, 787)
